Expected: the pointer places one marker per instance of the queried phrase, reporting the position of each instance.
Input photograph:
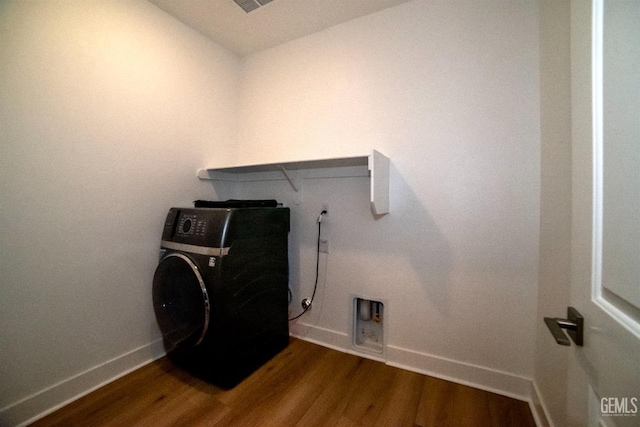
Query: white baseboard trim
(476, 376)
(331, 339)
(538, 408)
(321, 336)
(47, 400)
(480, 377)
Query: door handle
(574, 324)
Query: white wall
(551, 363)
(450, 92)
(107, 109)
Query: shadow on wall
(409, 255)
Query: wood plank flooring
(304, 385)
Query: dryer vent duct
(249, 5)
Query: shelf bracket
(286, 175)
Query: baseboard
(321, 336)
(43, 402)
(480, 377)
(538, 408)
(331, 339)
(476, 376)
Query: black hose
(315, 286)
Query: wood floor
(305, 385)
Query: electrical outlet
(324, 246)
(325, 207)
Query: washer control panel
(190, 224)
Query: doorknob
(574, 324)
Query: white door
(604, 374)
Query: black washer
(221, 295)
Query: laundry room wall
(107, 110)
(449, 91)
(551, 360)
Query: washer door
(180, 301)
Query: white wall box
(375, 165)
(368, 326)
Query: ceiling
(277, 22)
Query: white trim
(49, 399)
(321, 336)
(331, 339)
(539, 409)
(597, 63)
(476, 376)
(480, 377)
(597, 153)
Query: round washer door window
(180, 301)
